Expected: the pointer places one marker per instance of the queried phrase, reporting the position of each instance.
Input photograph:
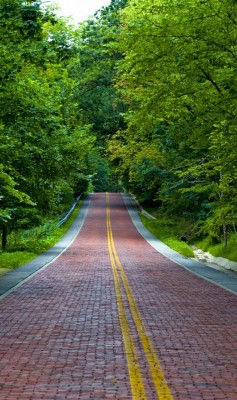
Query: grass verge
(24, 246)
(169, 233)
(219, 250)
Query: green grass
(219, 250)
(24, 246)
(11, 260)
(4, 270)
(168, 232)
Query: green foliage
(102, 180)
(42, 237)
(44, 145)
(9, 195)
(178, 79)
(96, 94)
(143, 94)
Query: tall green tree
(44, 144)
(95, 94)
(98, 56)
(179, 71)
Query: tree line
(177, 77)
(49, 147)
(141, 97)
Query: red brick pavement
(60, 336)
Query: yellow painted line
(162, 389)
(135, 375)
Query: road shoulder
(16, 277)
(224, 279)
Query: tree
(96, 95)
(44, 145)
(10, 201)
(179, 70)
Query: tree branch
(209, 78)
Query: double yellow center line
(135, 374)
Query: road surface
(113, 318)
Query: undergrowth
(169, 233)
(219, 250)
(24, 246)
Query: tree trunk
(4, 237)
(225, 234)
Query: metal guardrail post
(64, 219)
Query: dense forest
(141, 98)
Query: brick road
(82, 326)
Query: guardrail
(64, 219)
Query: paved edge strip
(225, 280)
(15, 278)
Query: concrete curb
(208, 258)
